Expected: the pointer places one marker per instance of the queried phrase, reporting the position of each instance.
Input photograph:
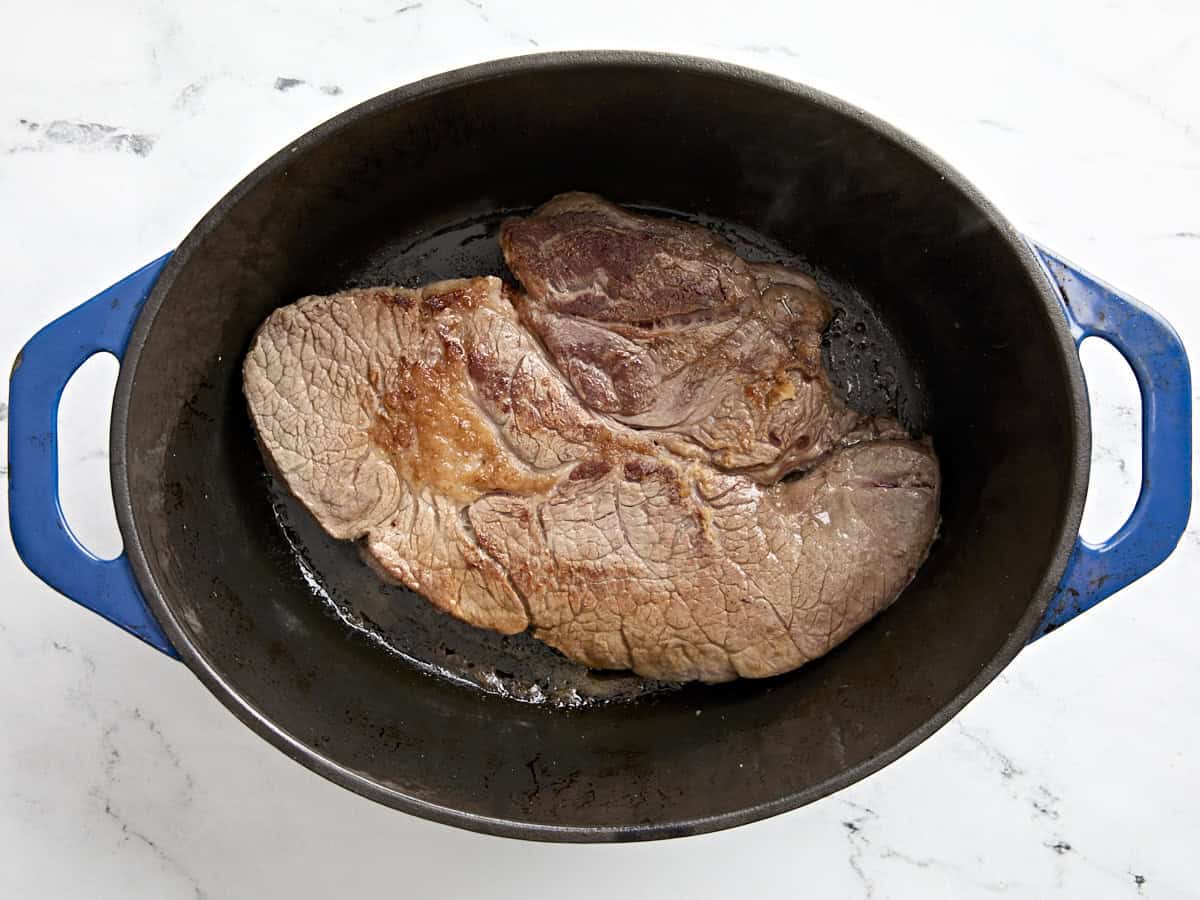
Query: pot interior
(391, 192)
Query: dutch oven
(988, 322)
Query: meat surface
(660, 325)
(559, 461)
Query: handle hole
(84, 483)
(1116, 407)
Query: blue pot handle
(1159, 362)
(103, 324)
(40, 532)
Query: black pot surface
(944, 318)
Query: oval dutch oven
(990, 320)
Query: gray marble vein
(86, 135)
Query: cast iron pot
(988, 322)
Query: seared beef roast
(600, 457)
(662, 326)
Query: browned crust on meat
(431, 425)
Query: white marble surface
(1072, 775)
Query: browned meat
(660, 325)
(432, 426)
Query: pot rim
(228, 693)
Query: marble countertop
(1072, 775)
